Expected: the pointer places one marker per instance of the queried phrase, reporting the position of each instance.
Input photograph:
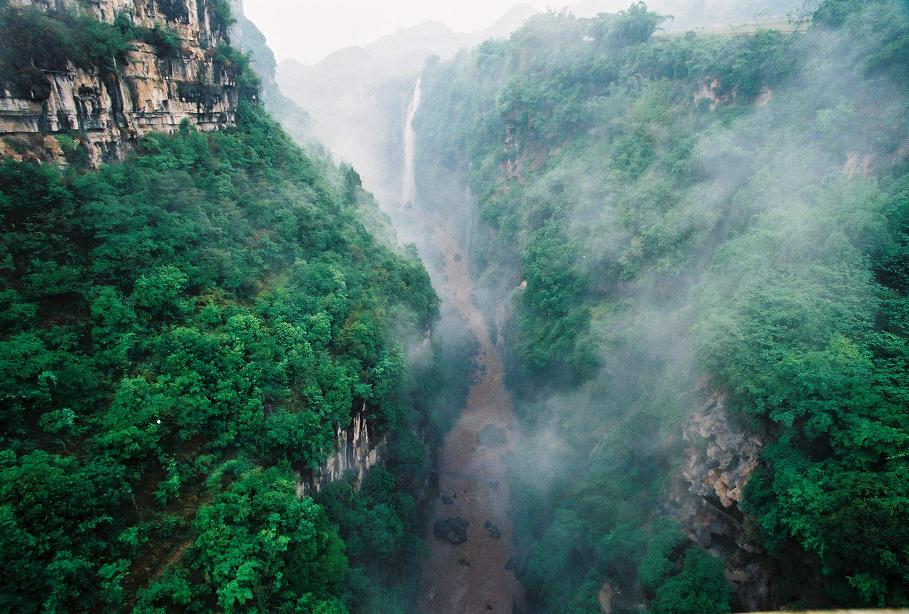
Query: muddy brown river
(473, 576)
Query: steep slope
(693, 251)
(185, 337)
(172, 357)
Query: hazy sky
(308, 30)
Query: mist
(671, 243)
(454, 306)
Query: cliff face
(151, 93)
(720, 458)
(354, 453)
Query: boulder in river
(451, 530)
(492, 437)
(494, 531)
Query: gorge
(469, 468)
(595, 314)
(644, 258)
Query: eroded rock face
(710, 90)
(108, 112)
(356, 452)
(720, 458)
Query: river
(477, 575)
(474, 576)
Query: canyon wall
(107, 111)
(355, 454)
(720, 457)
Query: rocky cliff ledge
(154, 90)
(721, 455)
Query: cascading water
(409, 185)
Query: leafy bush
(164, 39)
(221, 16)
(32, 41)
(240, 65)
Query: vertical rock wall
(107, 112)
(355, 453)
(720, 457)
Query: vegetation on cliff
(182, 332)
(677, 207)
(33, 41)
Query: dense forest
(182, 334)
(675, 216)
(665, 227)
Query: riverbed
(475, 576)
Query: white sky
(308, 30)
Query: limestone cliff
(354, 455)
(153, 92)
(720, 457)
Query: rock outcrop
(355, 453)
(451, 530)
(108, 110)
(720, 458)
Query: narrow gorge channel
(476, 575)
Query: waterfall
(409, 184)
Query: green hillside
(675, 213)
(181, 334)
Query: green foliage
(32, 41)
(833, 13)
(240, 65)
(265, 549)
(658, 564)
(827, 374)
(552, 321)
(663, 211)
(164, 39)
(630, 27)
(699, 588)
(221, 16)
(177, 330)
